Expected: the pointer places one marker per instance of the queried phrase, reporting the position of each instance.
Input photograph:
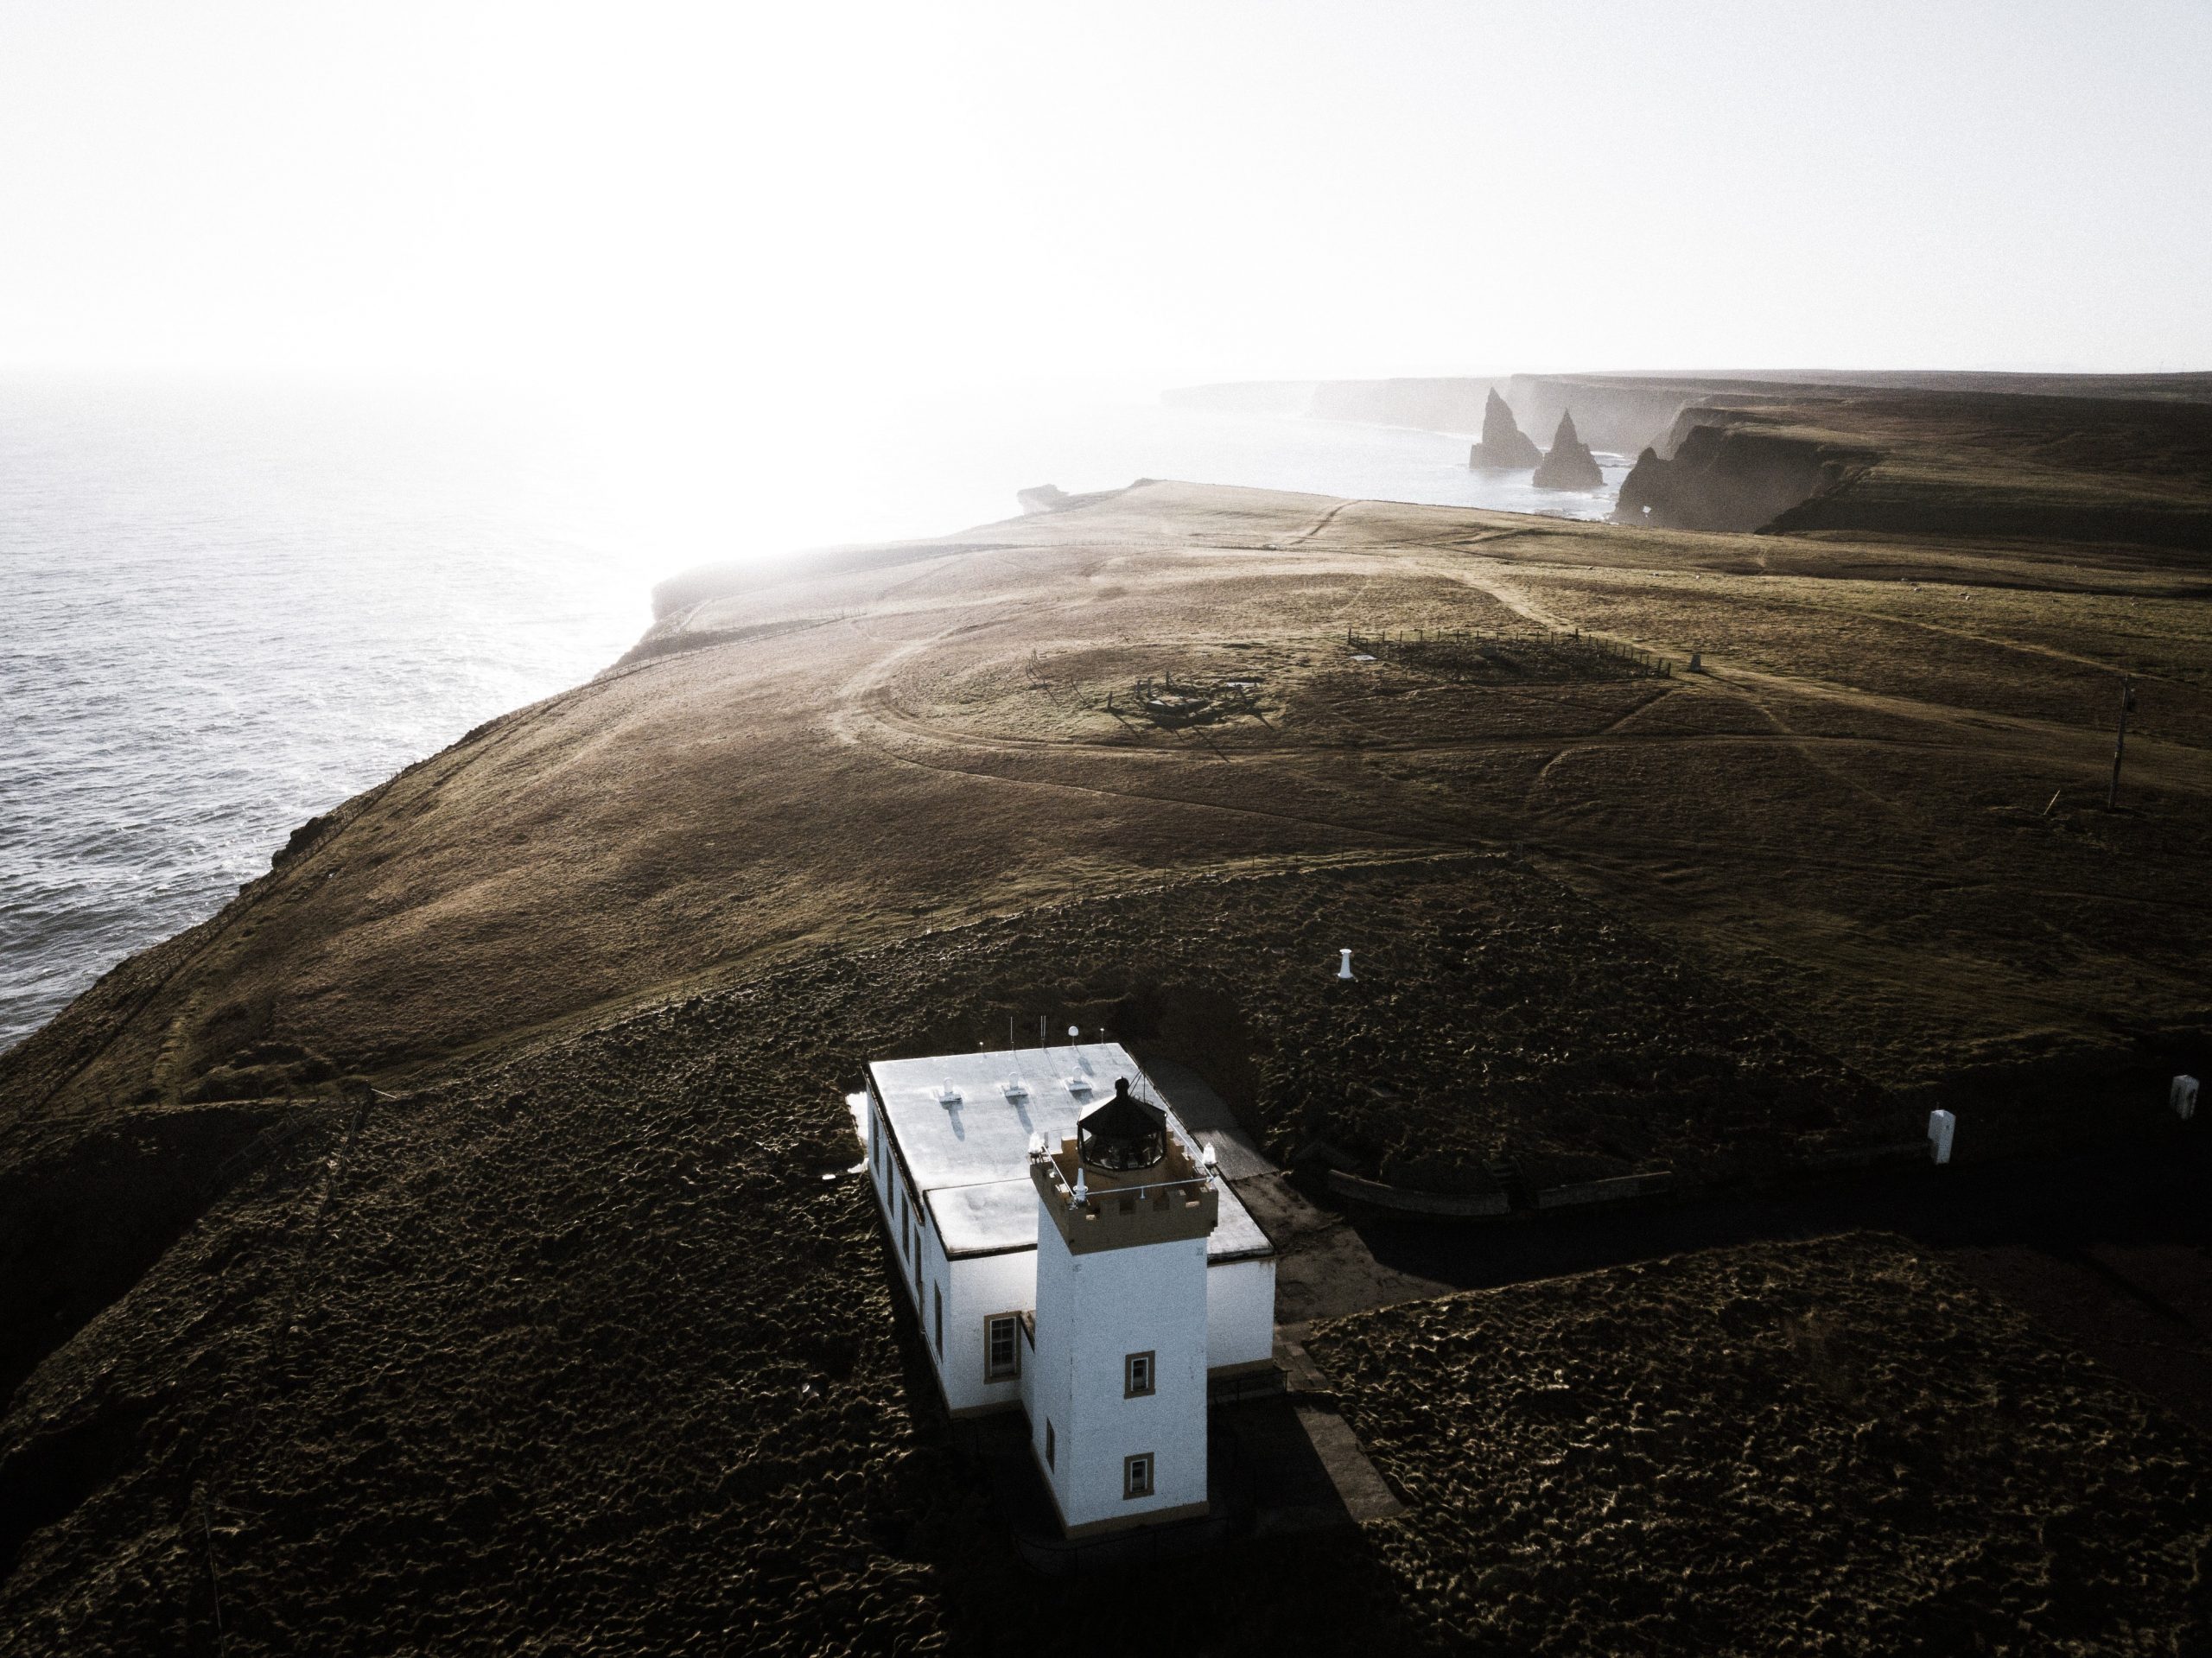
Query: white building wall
(1240, 1312)
(981, 1287)
(1093, 1310)
(912, 1243)
(1049, 1387)
(934, 1296)
(974, 1286)
(1237, 1307)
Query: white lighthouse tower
(1117, 1390)
(1070, 1252)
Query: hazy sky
(1162, 192)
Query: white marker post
(1940, 1124)
(2182, 1097)
(1344, 965)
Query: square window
(1137, 1376)
(1001, 1346)
(1136, 1475)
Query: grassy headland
(567, 1335)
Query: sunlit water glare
(224, 609)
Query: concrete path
(1363, 1492)
(1292, 1224)
(1324, 1268)
(1208, 1117)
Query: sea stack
(1645, 496)
(1504, 444)
(1570, 464)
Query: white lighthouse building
(1072, 1252)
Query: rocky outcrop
(303, 837)
(1504, 444)
(1570, 464)
(1725, 478)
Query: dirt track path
(2171, 765)
(865, 715)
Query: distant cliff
(1616, 414)
(1725, 478)
(1619, 415)
(2115, 459)
(2023, 464)
(1437, 405)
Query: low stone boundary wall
(1616, 1190)
(1415, 1203)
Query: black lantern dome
(1124, 1133)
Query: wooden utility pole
(2120, 742)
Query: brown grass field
(1869, 1456)
(565, 1342)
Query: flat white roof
(970, 1155)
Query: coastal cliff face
(1723, 478)
(1504, 446)
(1962, 413)
(1569, 464)
(2024, 465)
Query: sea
(227, 604)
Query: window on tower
(1138, 1373)
(1136, 1475)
